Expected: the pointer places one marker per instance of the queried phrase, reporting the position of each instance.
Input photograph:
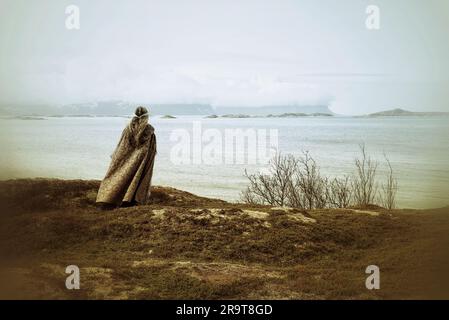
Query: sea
(192, 153)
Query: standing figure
(128, 179)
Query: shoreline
(235, 201)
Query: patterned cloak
(129, 175)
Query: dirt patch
(256, 214)
(159, 214)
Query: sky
(228, 53)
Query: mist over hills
(121, 108)
(266, 110)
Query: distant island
(299, 114)
(320, 114)
(398, 112)
(28, 118)
(288, 115)
(236, 116)
(110, 108)
(282, 115)
(171, 111)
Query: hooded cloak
(128, 178)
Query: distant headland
(398, 112)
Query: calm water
(80, 148)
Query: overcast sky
(260, 52)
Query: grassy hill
(182, 246)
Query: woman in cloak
(128, 179)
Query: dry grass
(187, 247)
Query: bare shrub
(291, 181)
(247, 196)
(271, 188)
(387, 193)
(308, 186)
(297, 182)
(364, 184)
(283, 169)
(339, 192)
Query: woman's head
(138, 124)
(141, 112)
